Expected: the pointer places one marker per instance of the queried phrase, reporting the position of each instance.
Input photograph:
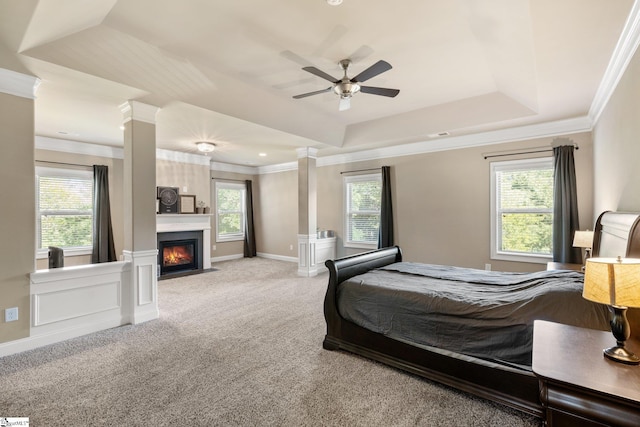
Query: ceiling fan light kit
(346, 87)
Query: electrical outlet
(487, 267)
(11, 314)
(213, 247)
(290, 247)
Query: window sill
(44, 253)
(229, 239)
(534, 259)
(361, 245)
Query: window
(522, 214)
(230, 211)
(64, 204)
(362, 210)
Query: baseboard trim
(259, 254)
(278, 257)
(36, 341)
(226, 258)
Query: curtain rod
(486, 156)
(64, 164)
(362, 170)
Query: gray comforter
(485, 314)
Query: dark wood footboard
(513, 387)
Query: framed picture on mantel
(187, 204)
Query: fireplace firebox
(179, 252)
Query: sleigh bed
(469, 329)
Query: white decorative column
(140, 242)
(307, 212)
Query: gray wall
(616, 144)
(276, 213)
(17, 172)
(441, 202)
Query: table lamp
(583, 239)
(615, 282)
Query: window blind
(65, 209)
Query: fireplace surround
(172, 227)
(179, 252)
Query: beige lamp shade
(583, 239)
(613, 281)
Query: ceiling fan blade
(334, 36)
(292, 56)
(345, 104)
(320, 73)
(317, 92)
(377, 68)
(380, 91)
(361, 53)
(288, 85)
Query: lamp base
(622, 355)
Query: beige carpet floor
(240, 346)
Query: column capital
(18, 84)
(135, 110)
(304, 152)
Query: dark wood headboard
(617, 234)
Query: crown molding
(18, 84)
(282, 167)
(549, 129)
(227, 167)
(75, 147)
(180, 157)
(543, 130)
(88, 149)
(622, 55)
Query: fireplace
(179, 252)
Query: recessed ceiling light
(205, 147)
(262, 154)
(334, 2)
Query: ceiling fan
(346, 87)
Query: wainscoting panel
(146, 281)
(76, 301)
(73, 301)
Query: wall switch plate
(214, 247)
(11, 314)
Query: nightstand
(563, 266)
(578, 385)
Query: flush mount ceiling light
(205, 147)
